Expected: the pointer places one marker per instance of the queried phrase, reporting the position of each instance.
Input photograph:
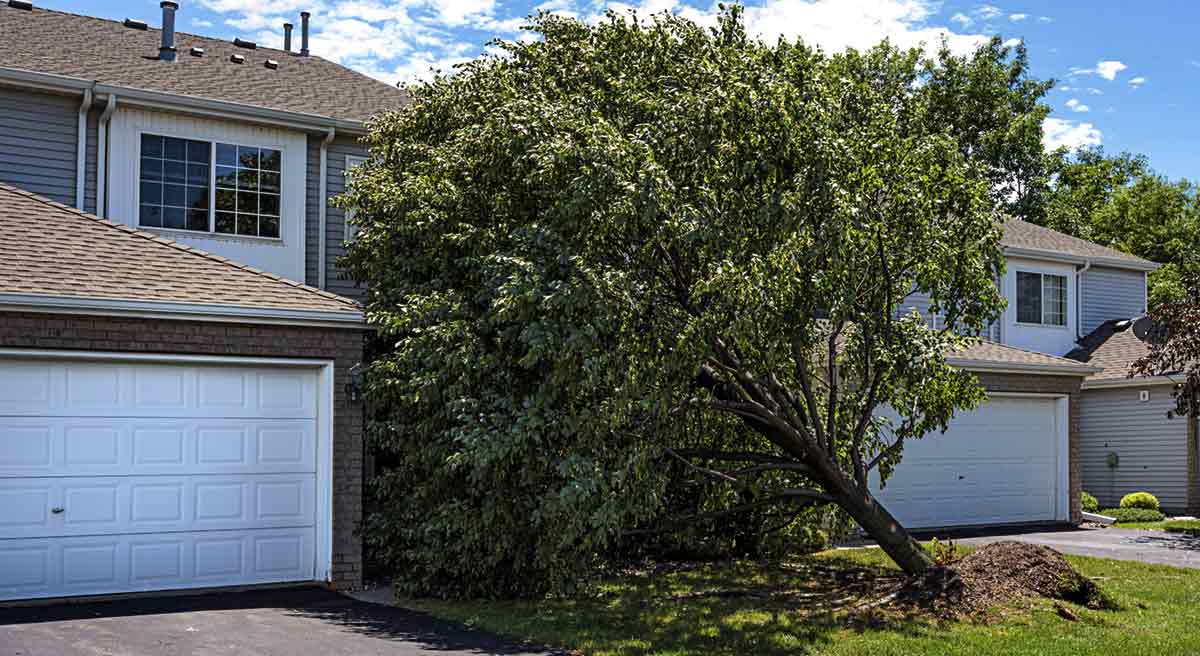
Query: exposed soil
(1000, 573)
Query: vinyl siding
(335, 220)
(919, 301)
(1152, 450)
(89, 172)
(37, 142)
(1111, 294)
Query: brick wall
(343, 346)
(1038, 384)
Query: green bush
(1143, 500)
(1188, 526)
(1132, 515)
(1089, 502)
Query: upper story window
(1041, 298)
(185, 184)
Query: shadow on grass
(726, 608)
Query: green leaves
(557, 241)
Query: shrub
(1188, 526)
(1143, 500)
(1089, 502)
(1132, 515)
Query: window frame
(212, 184)
(1044, 299)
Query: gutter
(1053, 256)
(1113, 383)
(1079, 299)
(1022, 368)
(174, 310)
(323, 208)
(180, 103)
(81, 148)
(102, 156)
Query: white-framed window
(1041, 298)
(209, 186)
(352, 161)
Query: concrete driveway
(1116, 543)
(280, 622)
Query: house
(1025, 455)
(178, 352)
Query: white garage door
(1002, 463)
(118, 477)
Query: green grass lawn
(792, 609)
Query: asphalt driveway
(1116, 543)
(280, 622)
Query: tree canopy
(616, 246)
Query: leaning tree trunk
(891, 536)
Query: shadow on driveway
(283, 622)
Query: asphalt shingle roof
(1030, 236)
(47, 248)
(1111, 347)
(107, 52)
(990, 353)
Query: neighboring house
(178, 394)
(1025, 455)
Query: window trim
(1042, 275)
(212, 142)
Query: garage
(1004, 463)
(122, 475)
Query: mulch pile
(1000, 573)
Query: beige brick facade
(341, 345)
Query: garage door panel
(106, 389)
(997, 464)
(154, 504)
(132, 563)
(40, 447)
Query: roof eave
(175, 102)
(180, 311)
(1113, 383)
(992, 366)
(1055, 256)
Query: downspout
(102, 156)
(321, 255)
(1087, 264)
(81, 148)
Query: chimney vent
(249, 45)
(197, 51)
(287, 37)
(271, 64)
(135, 24)
(304, 33)
(166, 51)
(21, 4)
(237, 59)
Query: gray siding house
(178, 349)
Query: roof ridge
(171, 243)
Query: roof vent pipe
(166, 51)
(304, 33)
(287, 37)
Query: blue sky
(1129, 74)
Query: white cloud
(1016, 18)
(1058, 132)
(1045, 19)
(1066, 88)
(987, 12)
(199, 22)
(1106, 69)
(1012, 43)
(1094, 91)
(961, 18)
(1137, 82)
(1077, 106)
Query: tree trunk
(886, 531)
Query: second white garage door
(1003, 463)
(122, 476)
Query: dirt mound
(998, 573)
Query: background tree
(598, 256)
(1175, 345)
